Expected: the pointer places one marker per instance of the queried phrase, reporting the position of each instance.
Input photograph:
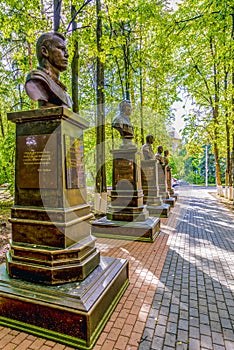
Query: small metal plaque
(75, 170)
(37, 161)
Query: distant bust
(122, 121)
(159, 155)
(147, 148)
(166, 154)
(43, 84)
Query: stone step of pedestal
(170, 201)
(73, 313)
(175, 195)
(54, 275)
(145, 231)
(161, 211)
(117, 213)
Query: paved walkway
(193, 307)
(181, 286)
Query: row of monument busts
(43, 85)
(124, 126)
(162, 157)
(148, 153)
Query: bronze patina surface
(147, 149)
(123, 125)
(43, 84)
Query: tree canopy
(148, 53)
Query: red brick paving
(124, 329)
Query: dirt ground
(6, 202)
(5, 232)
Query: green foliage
(150, 53)
(7, 159)
(204, 69)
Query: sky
(180, 109)
(179, 112)
(174, 3)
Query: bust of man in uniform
(159, 155)
(166, 154)
(123, 124)
(43, 84)
(147, 148)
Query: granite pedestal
(170, 189)
(73, 313)
(162, 181)
(150, 187)
(51, 243)
(127, 216)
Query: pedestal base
(51, 266)
(174, 195)
(170, 201)
(144, 231)
(127, 214)
(74, 313)
(161, 211)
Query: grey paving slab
(195, 301)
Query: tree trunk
(57, 11)
(141, 107)
(217, 165)
(215, 144)
(1, 126)
(100, 98)
(126, 67)
(215, 110)
(228, 177)
(75, 64)
(232, 107)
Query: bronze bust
(123, 124)
(166, 154)
(159, 155)
(147, 148)
(43, 84)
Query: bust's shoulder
(117, 120)
(146, 146)
(38, 74)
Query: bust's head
(52, 52)
(125, 107)
(149, 139)
(160, 149)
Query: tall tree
(205, 63)
(57, 14)
(75, 62)
(100, 98)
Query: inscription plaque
(123, 170)
(75, 171)
(37, 161)
(148, 176)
